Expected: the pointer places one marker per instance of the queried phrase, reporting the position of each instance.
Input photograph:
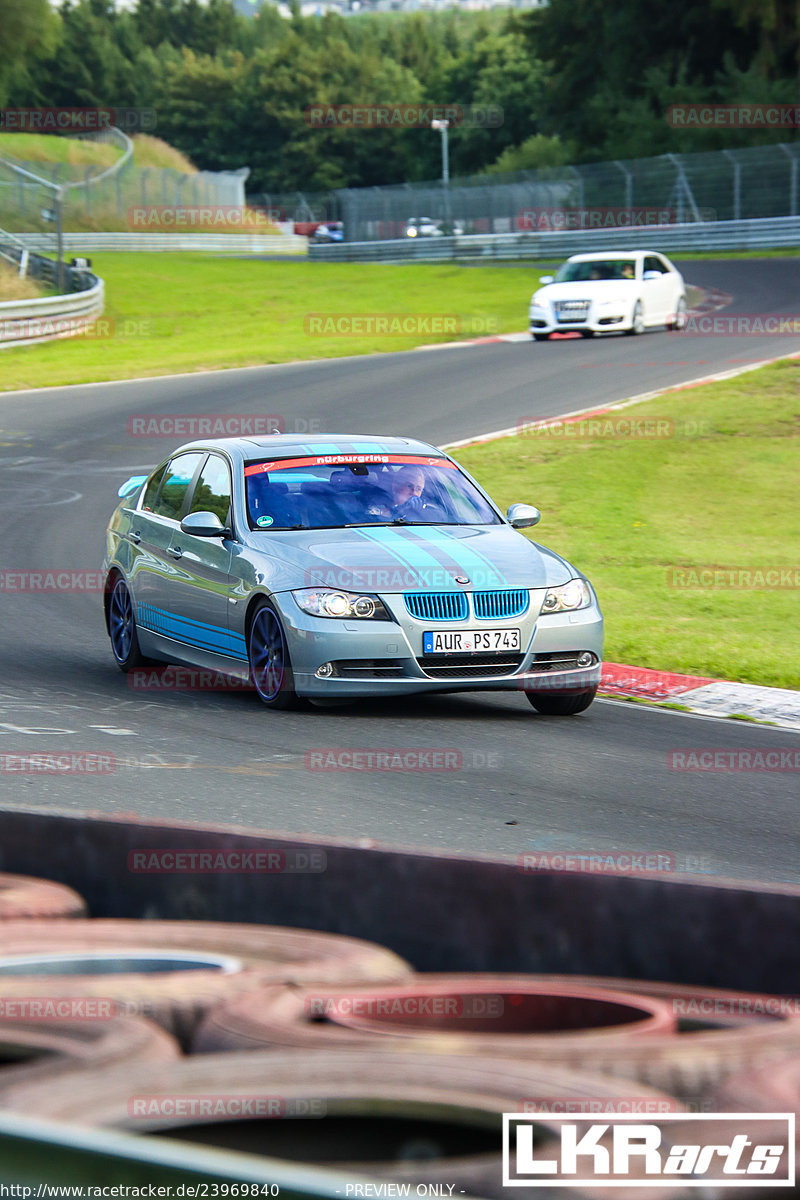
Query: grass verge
(191, 312)
(12, 287)
(643, 517)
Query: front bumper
(598, 320)
(386, 657)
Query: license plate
(469, 641)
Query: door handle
(176, 552)
(135, 538)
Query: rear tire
(561, 706)
(270, 665)
(122, 627)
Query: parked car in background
(427, 227)
(331, 231)
(612, 291)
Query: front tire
(637, 324)
(541, 337)
(678, 322)
(587, 333)
(561, 706)
(270, 665)
(122, 628)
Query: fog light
(325, 671)
(586, 659)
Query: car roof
(287, 444)
(603, 254)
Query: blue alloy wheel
(122, 628)
(270, 665)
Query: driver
(408, 485)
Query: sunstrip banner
(343, 460)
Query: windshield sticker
(336, 460)
(264, 521)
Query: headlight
(537, 300)
(567, 597)
(330, 602)
(411, 232)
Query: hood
(592, 289)
(411, 558)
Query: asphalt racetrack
(597, 782)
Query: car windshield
(343, 490)
(595, 269)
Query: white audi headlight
(331, 602)
(567, 597)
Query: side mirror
(652, 275)
(204, 524)
(522, 516)
(546, 279)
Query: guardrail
(24, 322)
(235, 243)
(761, 234)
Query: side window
(177, 477)
(651, 263)
(151, 491)
(212, 491)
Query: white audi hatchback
(616, 290)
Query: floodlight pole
(58, 202)
(443, 126)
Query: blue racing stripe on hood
(481, 571)
(434, 574)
